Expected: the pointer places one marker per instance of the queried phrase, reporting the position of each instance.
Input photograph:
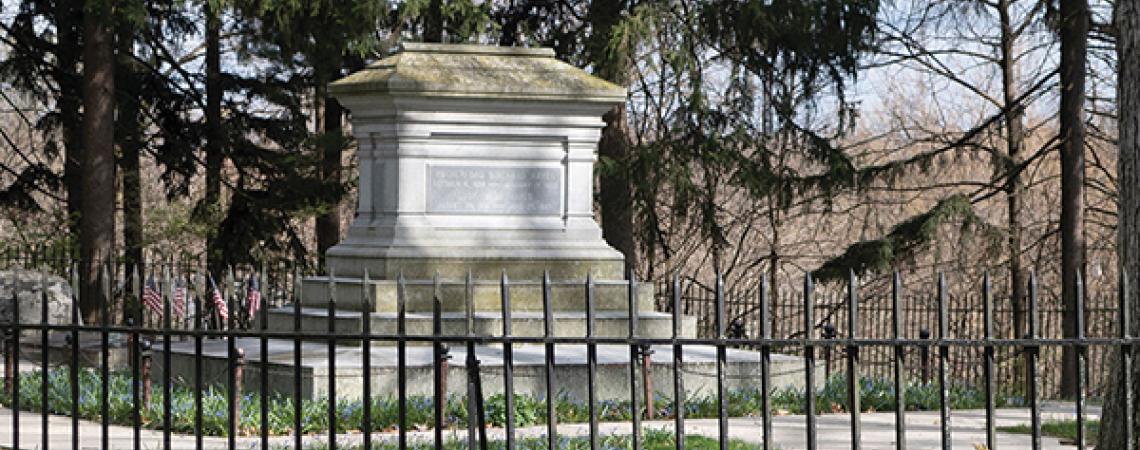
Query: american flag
(253, 295)
(151, 298)
(219, 302)
(178, 304)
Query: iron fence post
(988, 360)
(439, 351)
(829, 333)
(809, 363)
(1126, 362)
(924, 355)
(9, 364)
(678, 381)
(508, 358)
(854, 405)
(900, 357)
(146, 362)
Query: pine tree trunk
(1127, 25)
(96, 241)
(616, 198)
(1015, 188)
(433, 22)
(330, 121)
(1074, 45)
(130, 146)
(215, 258)
(68, 22)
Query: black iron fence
(920, 315)
(44, 378)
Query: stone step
(698, 371)
(524, 295)
(524, 323)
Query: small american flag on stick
(178, 304)
(151, 297)
(219, 302)
(253, 295)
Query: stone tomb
(475, 161)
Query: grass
(876, 395)
(1061, 429)
(650, 440)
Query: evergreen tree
(1126, 22)
(96, 236)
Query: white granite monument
(474, 161)
(475, 158)
(477, 161)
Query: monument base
(698, 371)
(423, 262)
(345, 297)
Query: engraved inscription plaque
(494, 190)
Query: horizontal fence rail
(222, 357)
(920, 319)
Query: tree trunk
(1074, 45)
(433, 22)
(68, 20)
(130, 146)
(1015, 188)
(329, 122)
(96, 240)
(615, 197)
(1127, 25)
(215, 258)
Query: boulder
(22, 289)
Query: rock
(28, 285)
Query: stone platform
(698, 371)
(612, 300)
(526, 323)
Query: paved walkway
(788, 431)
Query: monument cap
(482, 71)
